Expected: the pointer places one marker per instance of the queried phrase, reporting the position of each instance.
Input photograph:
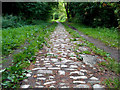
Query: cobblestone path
(59, 67)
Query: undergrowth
(12, 75)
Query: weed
(74, 39)
(80, 58)
(115, 83)
(60, 59)
(107, 36)
(86, 52)
(15, 73)
(55, 56)
(50, 54)
(111, 63)
(103, 63)
(101, 68)
(82, 44)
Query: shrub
(12, 21)
(93, 14)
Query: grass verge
(14, 38)
(106, 35)
(12, 76)
(109, 63)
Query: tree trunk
(66, 8)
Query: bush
(93, 14)
(12, 21)
(29, 10)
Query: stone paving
(59, 67)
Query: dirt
(114, 53)
(63, 69)
(9, 58)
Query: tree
(92, 13)
(29, 10)
(67, 9)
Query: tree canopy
(34, 10)
(95, 14)
(89, 13)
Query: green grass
(112, 83)
(110, 63)
(106, 35)
(16, 73)
(14, 38)
(86, 52)
(2, 61)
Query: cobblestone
(59, 68)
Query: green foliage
(82, 44)
(29, 10)
(16, 73)
(93, 14)
(110, 63)
(56, 16)
(26, 13)
(107, 36)
(40, 10)
(12, 76)
(80, 58)
(12, 21)
(112, 83)
(86, 52)
(13, 38)
(59, 13)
